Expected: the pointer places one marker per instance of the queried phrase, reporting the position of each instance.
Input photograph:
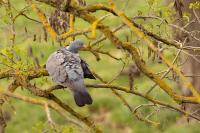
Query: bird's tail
(82, 97)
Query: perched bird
(67, 69)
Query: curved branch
(41, 93)
(127, 90)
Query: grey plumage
(67, 69)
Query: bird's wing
(73, 67)
(55, 68)
(86, 71)
(65, 67)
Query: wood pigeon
(67, 69)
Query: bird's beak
(83, 47)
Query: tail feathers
(82, 98)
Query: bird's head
(75, 46)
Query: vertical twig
(2, 119)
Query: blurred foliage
(195, 5)
(31, 44)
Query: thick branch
(38, 92)
(127, 90)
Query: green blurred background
(107, 111)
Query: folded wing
(86, 71)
